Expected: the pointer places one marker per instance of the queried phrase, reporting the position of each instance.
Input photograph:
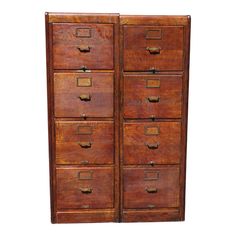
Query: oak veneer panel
(161, 146)
(139, 57)
(138, 89)
(69, 40)
(67, 94)
(151, 187)
(85, 187)
(72, 135)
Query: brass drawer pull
(153, 50)
(85, 97)
(85, 144)
(86, 190)
(152, 145)
(151, 190)
(84, 48)
(153, 99)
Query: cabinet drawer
(152, 142)
(83, 94)
(84, 187)
(155, 47)
(81, 142)
(152, 96)
(79, 45)
(151, 187)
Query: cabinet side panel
(117, 118)
(185, 116)
(51, 137)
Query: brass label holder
(151, 130)
(85, 175)
(153, 83)
(151, 175)
(154, 34)
(85, 130)
(84, 82)
(83, 33)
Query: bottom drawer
(151, 187)
(84, 187)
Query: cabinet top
(54, 17)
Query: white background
(211, 174)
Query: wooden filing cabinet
(117, 115)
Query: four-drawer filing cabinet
(117, 115)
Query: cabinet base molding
(151, 215)
(85, 216)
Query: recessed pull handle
(85, 97)
(153, 50)
(153, 99)
(151, 190)
(85, 144)
(84, 48)
(86, 190)
(152, 145)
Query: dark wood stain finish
(117, 116)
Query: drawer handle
(85, 144)
(84, 48)
(152, 145)
(151, 190)
(86, 190)
(153, 99)
(85, 97)
(153, 50)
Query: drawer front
(151, 187)
(79, 45)
(152, 142)
(83, 94)
(81, 142)
(152, 96)
(84, 187)
(155, 47)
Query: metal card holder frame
(154, 34)
(85, 175)
(151, 130)
(85, 129)
(84, 82)
(153, 83)
(83, 32)
(151, 175)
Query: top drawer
(82, 45)
(155, 47)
